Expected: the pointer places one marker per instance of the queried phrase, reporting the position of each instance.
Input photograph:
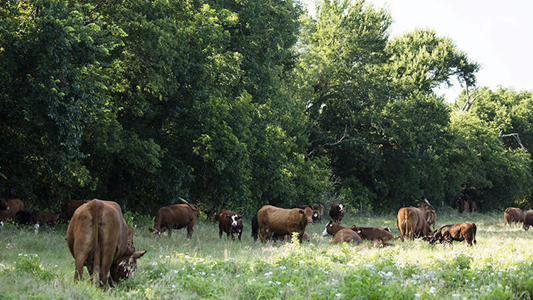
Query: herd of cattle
(98, 237)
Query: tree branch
(516, 136)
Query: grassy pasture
(499, 266)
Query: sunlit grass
(40, 266)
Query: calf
(346, 235)
(98, 238)
(512, 215)
(336, 212)
(25, 218)
(43, 217)
(374, 233)
(455, 232)
(230, 223)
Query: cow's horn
(183, 200)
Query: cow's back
(15, 205)
(176, 216)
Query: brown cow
(68, 208)
(211, 215)
(527, 219)
(412, 222)
(99, 239)
(46, 217)
(175, 216)
(455, 232)
(512, 215)
(336, 212)
(374, 233)
(279, 221)
(332, 228)
(13, 206)
(346, 235)
(230, 223)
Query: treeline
(237, 104)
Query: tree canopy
(237, 104)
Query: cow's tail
(192, 206)
(96, 212)
(475, 230)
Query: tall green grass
(499, 266)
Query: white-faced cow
(98, 238)
(230, 223)
(336, 212)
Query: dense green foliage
(239, 103)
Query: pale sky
(496, 34)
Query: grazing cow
(175, 217)
(512, 215)
(99, 239)
(346, 235)
(527, 219)
(25, 218)
(212, 215)
(374, 233)
(43, 217)
(68, 208)
(12, 206)
(230, 223)
(336, 212)
(332, 228)
(412, 222)
(455, 232)
(274, 221)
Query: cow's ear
(139, 254)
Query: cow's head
(332, 228)
(236, 219)
(125, 266)
(308, 213)
(316, 215)
(358, 230)
(525, 226)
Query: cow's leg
(240, 233)
(79, 262)
(220, 231)
(262, 234)
(190, 229)
(106, 262)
